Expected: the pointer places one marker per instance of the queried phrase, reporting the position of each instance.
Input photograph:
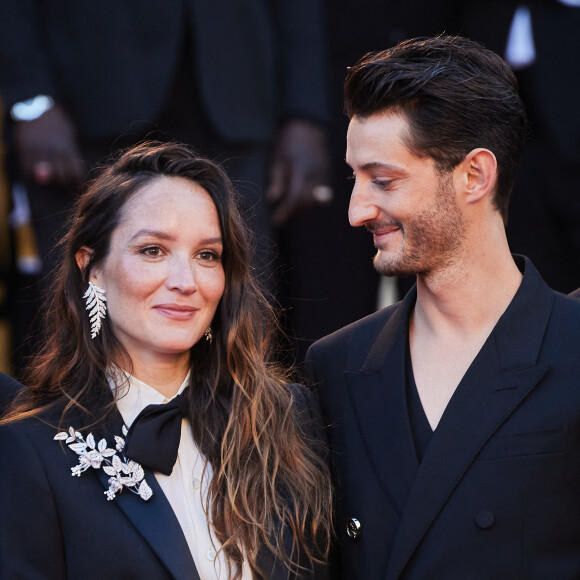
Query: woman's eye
(152, 251)
(209, 255)
(382, 183)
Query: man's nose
(362, 209)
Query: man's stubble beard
(431, 239)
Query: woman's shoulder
(32, 427)
(46, 445)
(37, 429)
(28, 446)
(9, 388)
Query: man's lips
(382, 233)
(176, 311)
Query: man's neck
(455, 312)
(470, 294)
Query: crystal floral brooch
(122, 472)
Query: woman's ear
(83, 257)
(480, 171)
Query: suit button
(484, 519)
(353, 529)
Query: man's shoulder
(570, 303)
(566, 314)
(361, 333)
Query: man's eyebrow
(376, 165)
(379, 165)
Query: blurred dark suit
(112, 63)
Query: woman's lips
(176, 311)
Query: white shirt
(186, 487)
(520, 50)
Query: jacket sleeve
(30, 535)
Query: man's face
(408, 206)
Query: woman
(154, 302)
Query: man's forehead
(370, 139)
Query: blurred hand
(47, 149)
(301, 164)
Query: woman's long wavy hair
(269, 486)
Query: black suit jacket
(111, 63)
(496, 494)
(55, 526)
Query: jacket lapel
(502, 375)
(377, 393)
(154, 519)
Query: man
(454, 415)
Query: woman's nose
(182, 276)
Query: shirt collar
(133, 395)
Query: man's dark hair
(456, 96)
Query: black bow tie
(153, 438)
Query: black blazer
(497, 492)
(112, 62)
(55, 526)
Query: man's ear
(479, 174)
(83, 257)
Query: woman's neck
(164, 376)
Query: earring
(208, 335)
(95, 298)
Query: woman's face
(163, 275)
